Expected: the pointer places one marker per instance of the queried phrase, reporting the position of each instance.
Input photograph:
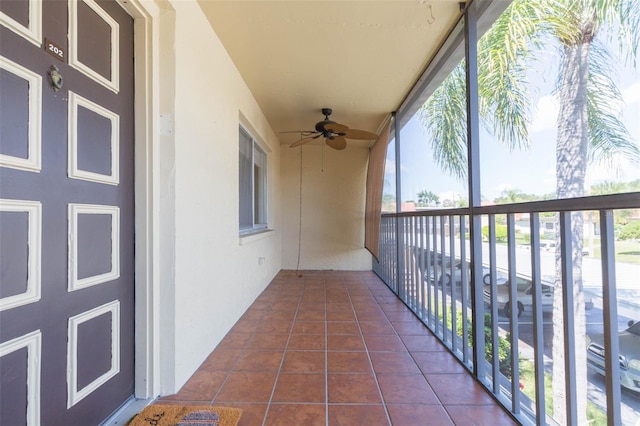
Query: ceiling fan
(334, 133)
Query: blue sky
(531, 171)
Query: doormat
(186, 415)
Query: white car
(629, 348)
(524, 290)
(547, 245)
(457, 274)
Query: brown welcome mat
(186, 415)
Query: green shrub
(501, 233)
(630, 231)
(504, 347)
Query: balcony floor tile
(337, 348)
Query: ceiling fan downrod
(320, 127)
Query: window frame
(259, 200)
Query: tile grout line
(232, 369)
(411, 355)
(366, 348)
(284, 353)
(326, 356)
(289, 290)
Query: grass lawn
(626, 251)
(595, 415)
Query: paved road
(627, 274)
(630, 403)
(628, 296)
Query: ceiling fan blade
(304, 140)
(337, 142)
(336, 127)
(359, 134)
(304, 132)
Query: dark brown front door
(66, 211)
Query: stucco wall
(216, 275)
(332, 208)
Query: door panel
(13, 392)
(66, 215)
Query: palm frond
(503, 98)
(507, 51)
(444, 117)
(625, 16)
(610, 142)
(504, 55)
(629, 35)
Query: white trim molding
(113, 83)
(33, 32)
(33, 162)
(33, 342)
(34, 241)
(73, 171)
(148, 369)
(75, 210)
(75, 395)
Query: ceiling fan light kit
(334, 133)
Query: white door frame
(146, 16)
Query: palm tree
(608, 187)
(427, 198)
(588, 126)
(508, 196)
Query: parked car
(457, 274)
(550, 246)
(524, 290)
(547, 245)
(629, 346)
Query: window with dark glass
(252, 184)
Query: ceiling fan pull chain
(322, 166)
(298, 274)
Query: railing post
(412, 266)
(495, 367)
(610, 314)
(568, 319)
(465, 289)
(513, 326)
(473, 176)
(430, 269)
(452, 281)
(436, 262)
(538, 337)
(421, 266)
(399, 235)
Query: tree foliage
(507, 51)
(611, 187)
(631, 231)
(504, 345)
(589, 128)
(515, 196)
(428, 198)
(501, 233)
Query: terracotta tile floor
(337, 348)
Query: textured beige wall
(216, 275)
(332, 208)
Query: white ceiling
(359, 57)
